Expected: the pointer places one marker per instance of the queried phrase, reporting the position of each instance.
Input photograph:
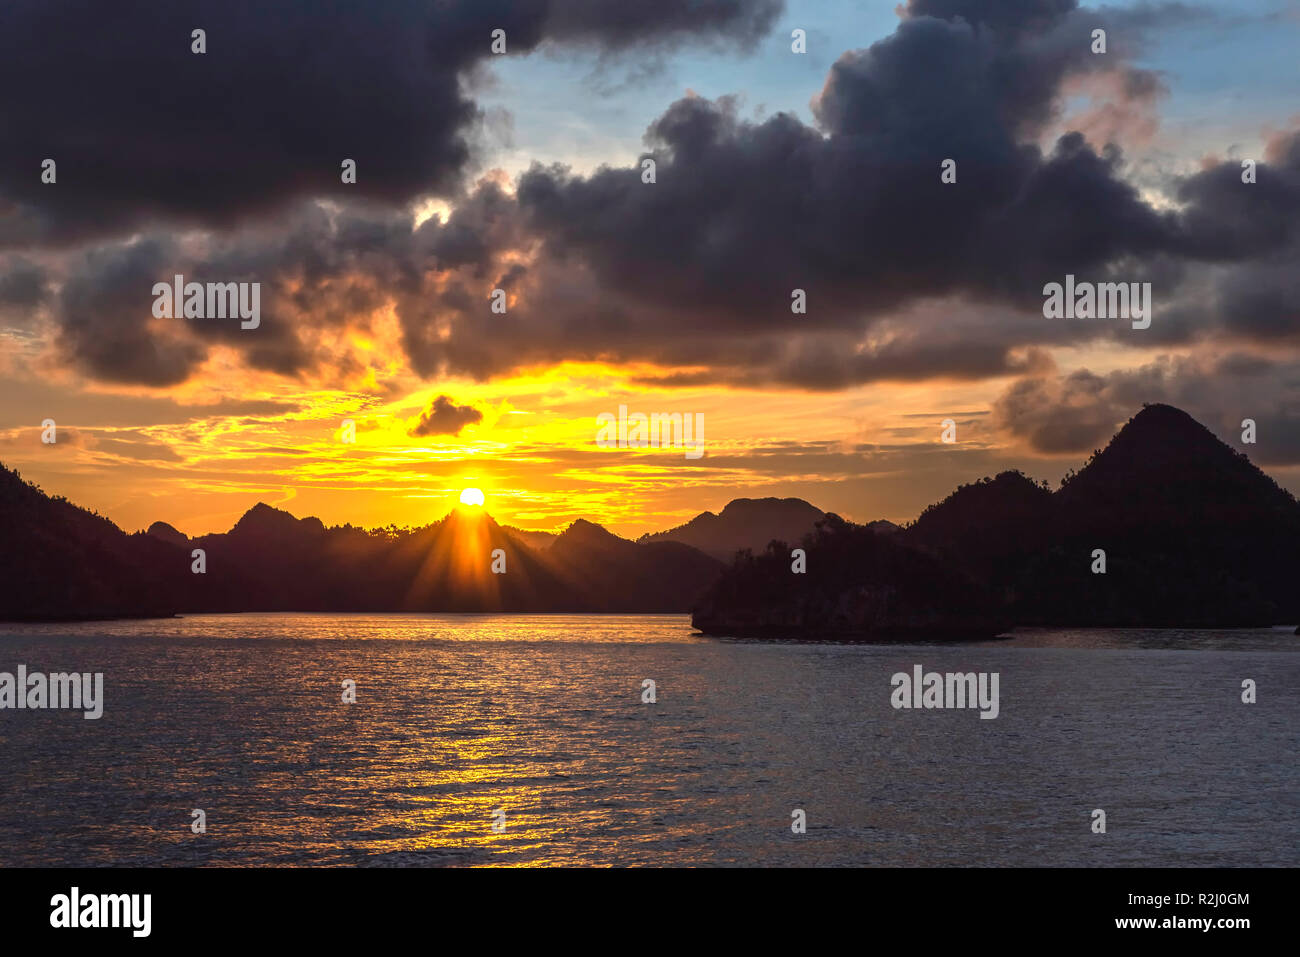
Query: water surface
(459, 716)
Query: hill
(1193, 535)
(745, 523)
(620, 575)
(858, 585)
(62, 562)
(58, 561)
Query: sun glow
(471, 496)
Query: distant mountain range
(59, 561)
(744, 523)
(271, 561)
(1193, 534)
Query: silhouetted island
(859, 584)
(1193, 535)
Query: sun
(471, 496)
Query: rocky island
(1167, 527)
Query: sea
(615, 740)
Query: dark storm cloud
(1226, 219)
(141, 127)
(1260, 301)
(444, 417)
(317, 271)
(906, 277)
(102, 311)
(24, 287)
(855, 212)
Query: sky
(522, 171)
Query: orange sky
(199, 455)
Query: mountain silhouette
(264, 524)
(272, 561)
(655, 576)
(1163, 459)
(167, 533)
(989, 528)
(534, 539)
(1193, 533)
(745, 523)
(1190, 531)
(856, 584)
(58, 561)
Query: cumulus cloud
(444, 417)
(906, 277)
